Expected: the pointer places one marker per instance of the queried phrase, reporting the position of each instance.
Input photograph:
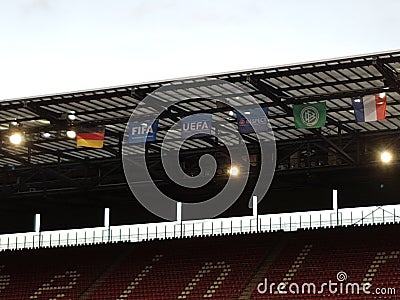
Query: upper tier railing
(246, 224)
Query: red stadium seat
(209, 267)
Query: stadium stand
(364, 254)
(221, 267)
(196, 268)
(48, 177)
(52, 273)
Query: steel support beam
(391, 76)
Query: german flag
(90, 137)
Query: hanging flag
(309, 115)
(252, 120)
(198, 124)
(370, 108)
(140, 132)
(90, 137)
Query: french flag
(370, 108)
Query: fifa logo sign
(142, 129)
(145, 131)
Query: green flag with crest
(309, 115)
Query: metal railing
(164, 230)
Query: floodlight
(386, 157)
(71, 116)
(71, 134)
(234, 171)
(16, 138)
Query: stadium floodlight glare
(386, 157)
(234, 171)
(16, 138)
(71, 116)
(71, 134)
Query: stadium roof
(336, 81)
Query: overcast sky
(50, 46)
